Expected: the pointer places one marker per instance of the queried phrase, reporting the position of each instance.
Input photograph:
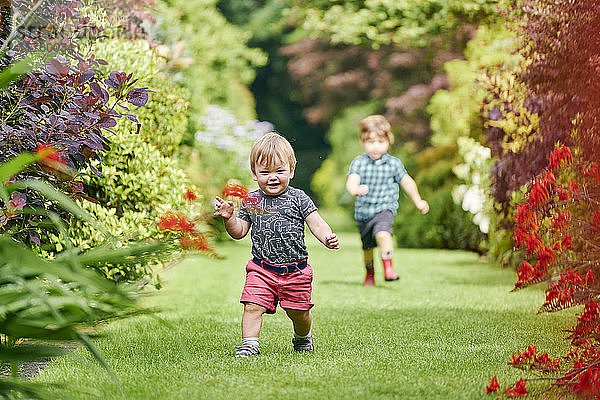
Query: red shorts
(267, 288)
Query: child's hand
(223, 208)
(423, 206)
(332, 242)
(362, 190)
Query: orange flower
(559, 156)
(49, 156)
(197, 242)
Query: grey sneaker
(246, 350)
(303, 344)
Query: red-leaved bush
(65, 101)
(559, 227)
(558, 224)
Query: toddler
(279, 271)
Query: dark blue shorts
(368, 229)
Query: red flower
(573, 188)
(559, 156)
(589, 277)
(567, 242)
(176, 222)
(589, 382)
(197, 242)
(533, 242)
(48, 155)
(525, 273)
(493, 386)
(235, 190)
(190, 195)
(18, 201)
(539, 193)
(518, 391)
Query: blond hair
(378, 125)
(270, 150)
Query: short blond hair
(271, 149)
(378, 125)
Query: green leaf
(14, 72)
(15, 165)
(30, 352)
(65, 202)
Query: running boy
(278, 271)
(374, 177)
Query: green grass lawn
(441, 332)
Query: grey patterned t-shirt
(277, 224)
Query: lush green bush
(141, 175)
(49, 300)
(446, 225)
(329, 181)
(221, 65)
(380, 22)
(164, 118)
(457, 117)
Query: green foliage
(381, 22)
(457, 111)
(164, 118)
(329, 181)
(446, 225)
(222, 65)
(49, 300)
(141, 177)
(210, 168)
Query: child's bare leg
(302, 320)
(370, 275)
(252, 320)
(386, 249)
(384, 242)
(251, 323)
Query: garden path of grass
(441, 332)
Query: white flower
(223, 130)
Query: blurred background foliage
(222, 72)
(322, 66)
(420, 64)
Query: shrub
(65, 101)
(141, 176)
(558, 222)
(51, 300)
(446, 225)
(164, 118)
(329, 181)
(222, 65)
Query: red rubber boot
(388, 270)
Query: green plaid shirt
(382, 177)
